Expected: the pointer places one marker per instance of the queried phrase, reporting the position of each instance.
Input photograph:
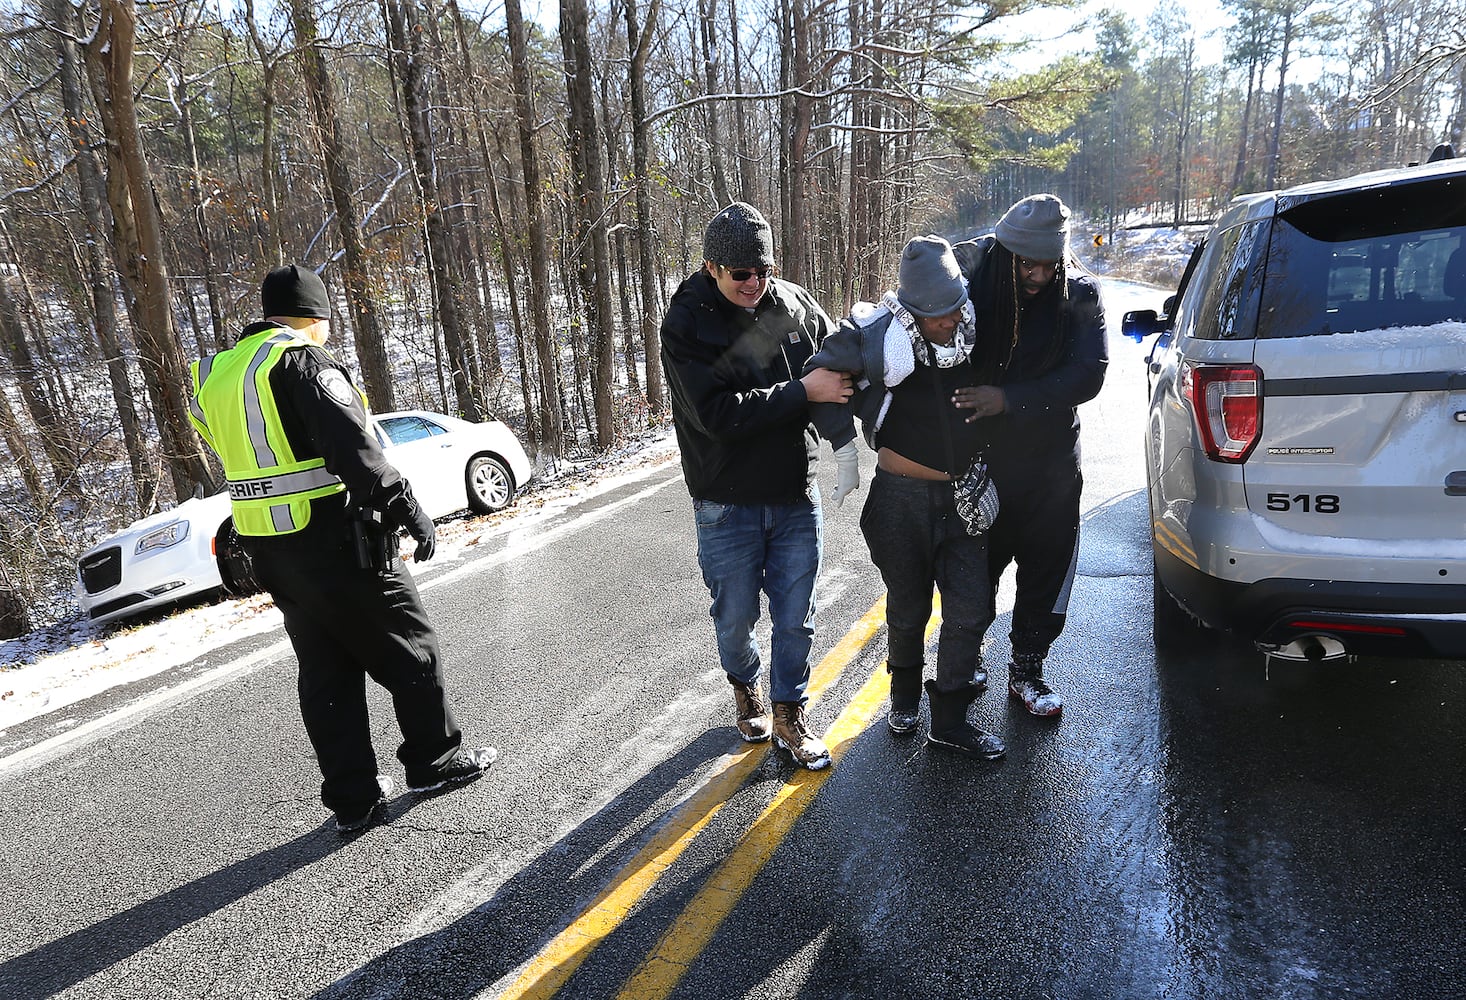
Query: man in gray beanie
(734, 344)
(1041, 341)
(908, 354)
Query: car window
(1367, 260)
(404, 429)
(1225, 302)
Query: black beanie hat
(739, 236)
(293, 290)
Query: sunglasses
(742, 274)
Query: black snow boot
(905, 699)
(1026, 683)
(950, 728)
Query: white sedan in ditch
(175, 554)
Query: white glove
(847, 472)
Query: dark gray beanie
(1037, 228)
(739, 236)
(931, 282)
(294, 290)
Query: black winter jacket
(1057, 362)
(741, 413)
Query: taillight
(1226, 401)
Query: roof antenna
(1444, 151)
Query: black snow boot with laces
(1026, 683)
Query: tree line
(500, 205)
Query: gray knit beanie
(739, 236)
(931, 282)
(294, 290)
(1037, 228)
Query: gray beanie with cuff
(931, 283)
(739, 236)
(1036, 228)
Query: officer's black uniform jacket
(321, 420)
(1057, 362)
(741, 413)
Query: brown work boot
(791, 734)
(753, 712)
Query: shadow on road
(465, 957)
(69, 960)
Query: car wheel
(1171, 625)
(490, 486)
(236, 571)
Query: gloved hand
(847, 472)
(409, 515)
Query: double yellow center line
(691, 933)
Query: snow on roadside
(63, 664)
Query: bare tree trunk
(593, 264)
(618, 254)
(406, 37)
(1275, 148)
(163, 366)
(93, 195)
(1183, 127)
(269, 170)
(33, 389)
(376, 374)
(708, 10)
(551, 415)
(511, 287)
(747, 182)
(639, 43)
(182, 102)
(1240, 170)
(799, 120)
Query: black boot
(1026, 683)
(980, 674)
(950, 728)
(905, 699)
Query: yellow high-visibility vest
(270, 489)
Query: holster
(372, 544)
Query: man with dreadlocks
(1040, 352)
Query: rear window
(1367, 260)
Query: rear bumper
(1426, 621)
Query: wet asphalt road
(1194, 826)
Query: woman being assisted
(909, 354)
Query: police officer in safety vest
(317, 505)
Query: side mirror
(1140, 323)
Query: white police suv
(1306, 434)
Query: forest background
(501, 200)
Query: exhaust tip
(1311, 649)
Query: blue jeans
(745, 548)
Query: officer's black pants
(347, 624)
(1037, 528)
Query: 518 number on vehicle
(1307, 503)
